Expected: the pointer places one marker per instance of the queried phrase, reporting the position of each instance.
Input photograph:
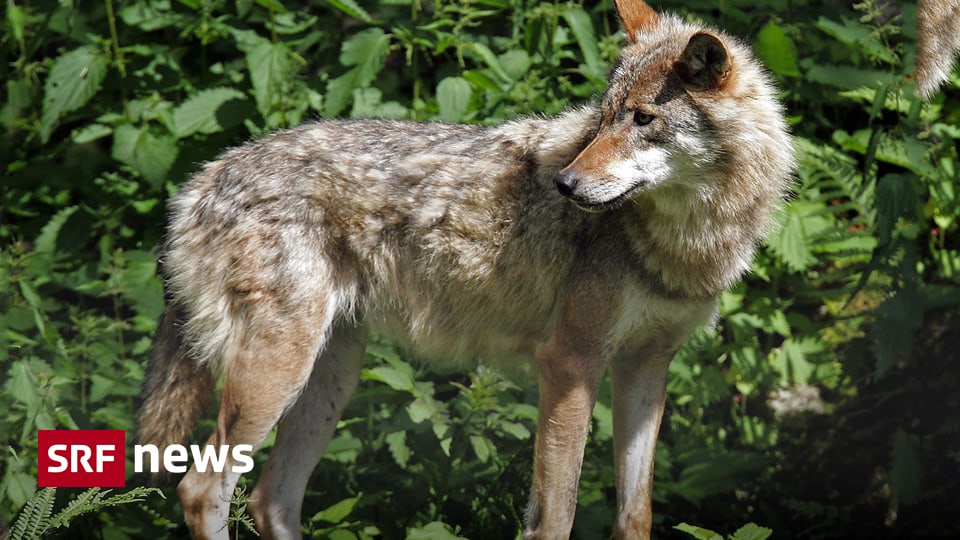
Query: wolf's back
(175, 390)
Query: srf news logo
(82, 458)
(97, 458)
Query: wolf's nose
(566, 183)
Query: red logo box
(82, 458)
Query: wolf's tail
(175, 390)
(938, 42)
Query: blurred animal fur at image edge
(938, 42)
(595, 240)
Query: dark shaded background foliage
(823, 405)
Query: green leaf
(603, 416)
(24, 387)
(338, 511)
(791, 243)
(153, 16)
(521, 432)
(74, 78)
(152, 154)
(385, 352)
(883, 96)
(582, 27)
(516, 63)
(271, 66)
(18, 487)
(432, 531)
(422, 409)
(898, 318)
(777, 50)
(698, 532)
(365, 49)
(16, 21)
(33, 300)
(482, 447)
(905, 472)
(272, 5)
(844, 77)
(795, 359)
(368, 103)
(896, 197)
(481, 80)
(366, 52)
(91, 132)
(34, 519)
(397, 444)
(453, 95)
(96, 499)
(46, 241)
(198, 114)
(752, 531)
(856, 34)
(352, 9)
(906, 152)
(709, 472)
(391, 376)
(492, 61)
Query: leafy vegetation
(823, 404)
(37, 518)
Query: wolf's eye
(641, 118)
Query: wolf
(597, 239)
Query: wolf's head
(687, 107)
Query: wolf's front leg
(568, 390)
(639, 391)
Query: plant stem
(115, 40)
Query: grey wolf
(598, 239)
(938, 41)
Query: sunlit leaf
(338, 511)
(200, 113)
(353, 9)
(75, 77)
(582, 28)
(777, 50)
(365, 52)
(453, 95)
(151, 153)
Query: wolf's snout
(566, 183)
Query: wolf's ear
(635, 15)
(705, 63)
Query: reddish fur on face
(602, 150)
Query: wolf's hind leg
(276, 345)
(304, 433)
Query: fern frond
(34, 518)
(87, 501)
(834, 175)
(137, 494)
(95, 500)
